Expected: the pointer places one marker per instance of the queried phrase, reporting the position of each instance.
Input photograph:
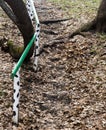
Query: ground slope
(69, 90)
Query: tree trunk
(22, 21)
(101, 17)
(97, 25)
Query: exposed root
(86, 27)
(53, 43)
(49, 32)
(51, 21)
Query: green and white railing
(16, 71)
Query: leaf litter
(68, 92)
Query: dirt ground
(68, 92)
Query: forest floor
(68, 92)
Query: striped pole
(15, 73)
(33, 16)
(16, 77)
(36, 51)
(16, 97)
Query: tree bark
(21, 19)
(8, 11)
(101, 17)
(97, 25)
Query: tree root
(53, 43)
(51, 21)
(49, 32)
(86, 27)
(60, 39)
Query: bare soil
(68, 92)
